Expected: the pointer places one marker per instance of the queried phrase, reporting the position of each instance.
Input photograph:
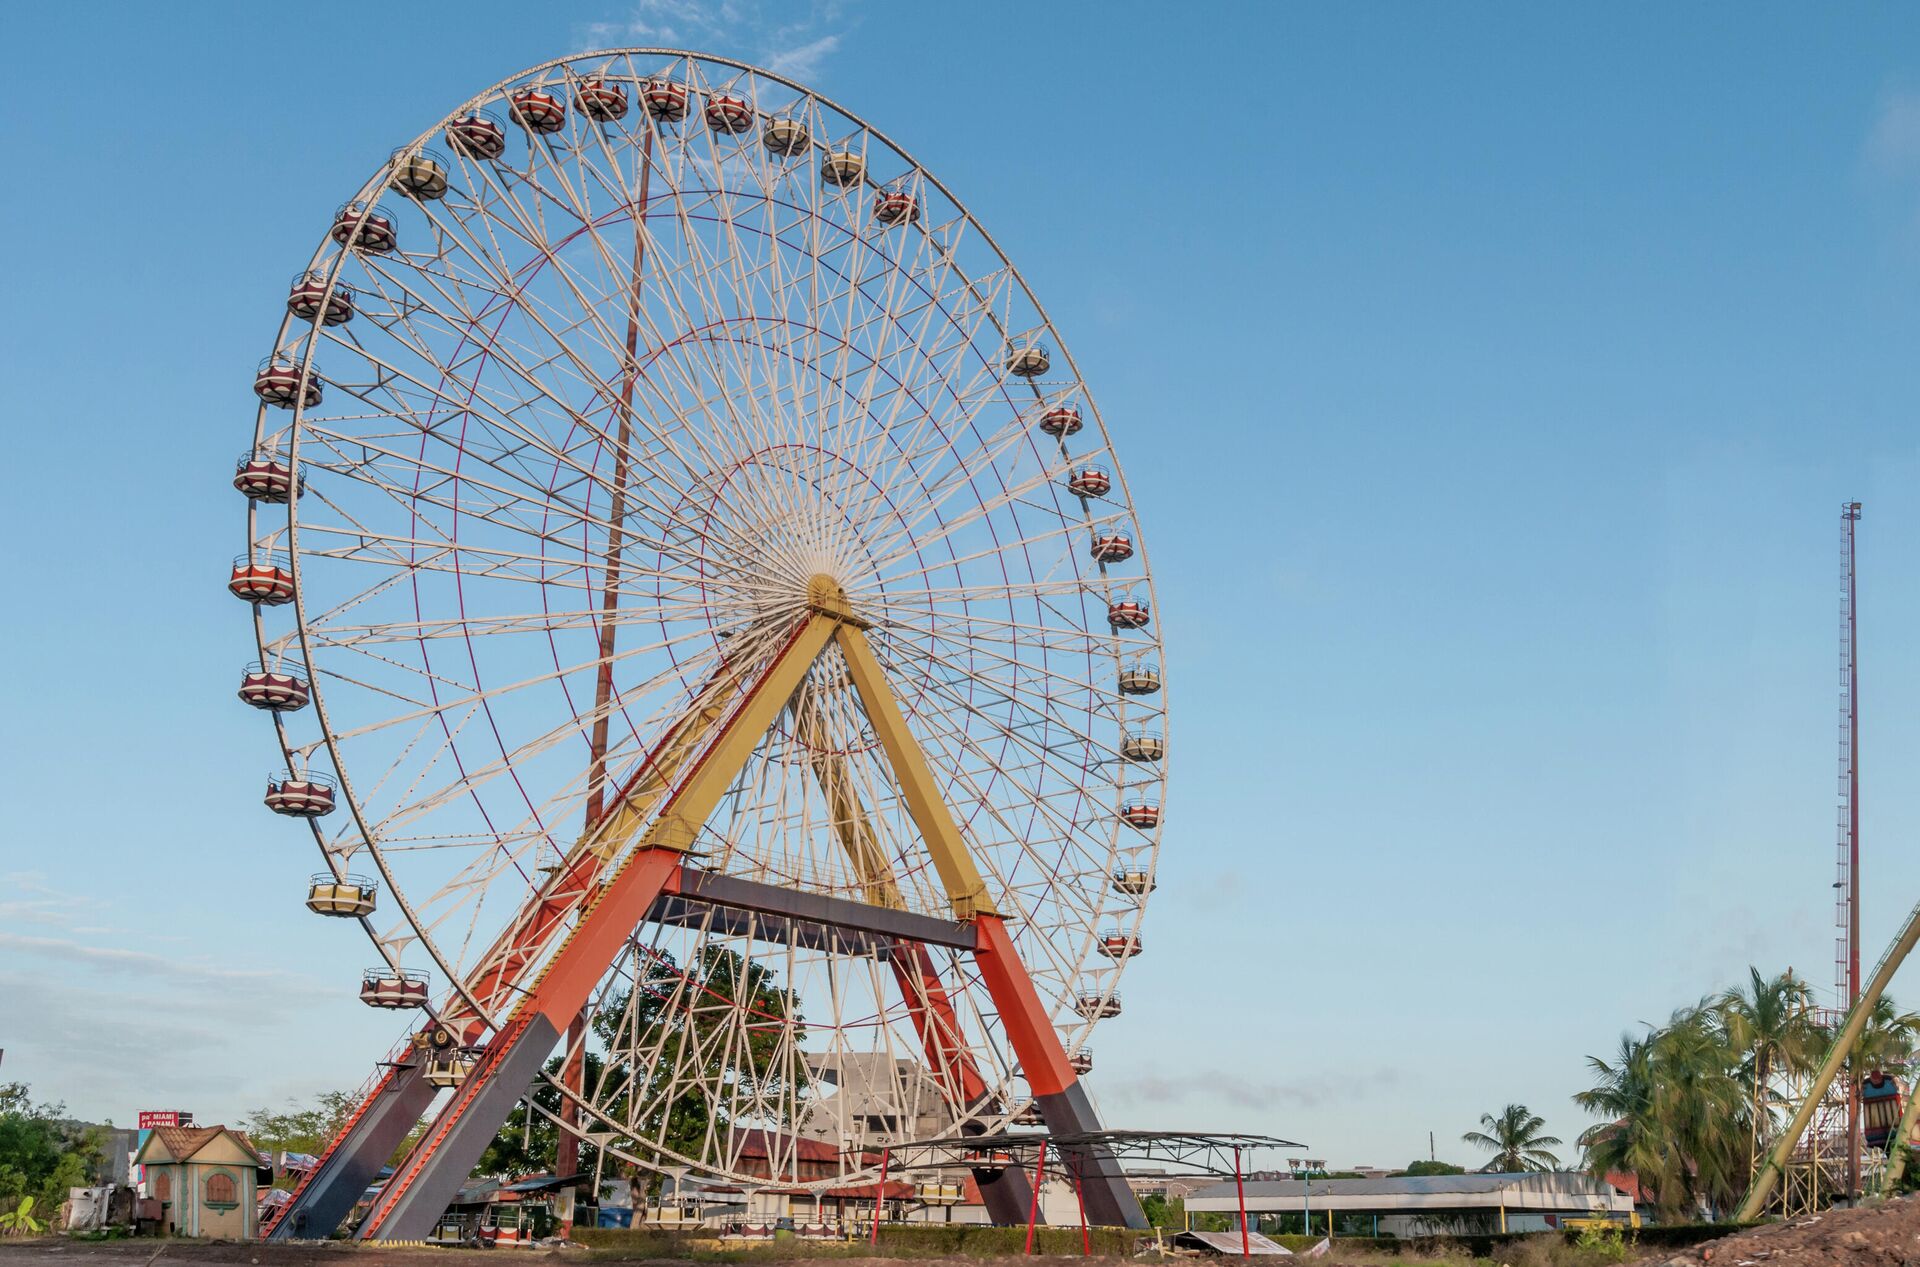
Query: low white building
(1422, 1205)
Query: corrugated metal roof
(1527, 1190)
(1229, 1243)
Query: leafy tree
(675, 1023)
(300, 1128)
(42, 1153)
(690, 1021)
(1514, 1138)
(1425, 1167)
(310, 1128)
(1678, 1112)
(1888, 1038)
(521, 1148)
(1164, 1211)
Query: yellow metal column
(948, 848)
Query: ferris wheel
(708, 635)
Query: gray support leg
(1103, 1185)
(433, 1179)
(1008, 1197)
(355, 1159)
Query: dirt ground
(1886, 1235)
(61, 1252)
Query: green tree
(1678, 1112)
(1425, 1167)
(300, 1128)
(310, 1128)
(1164, 1211)
(42, 1153)
(709, 1026)
(522, 1148)
(1771, 1023)
(1888, 1038)
(1514, 1137)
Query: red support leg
(1043, 1062)
(1240, 1191)
(1079, 1194)
(1039, 1178)
(573, 1076)
(407, 1206)
(879, 1195)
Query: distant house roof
(1559, 1191)
(182, 1143)
(760, 1145)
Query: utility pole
(1847, 960)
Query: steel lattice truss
(593, 419)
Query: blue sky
(1489, 379)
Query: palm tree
(1515, 1140)
(1887, 1040)
(1772, 1027)
(1677, 1112)
(1772, 1024)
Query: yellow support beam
(870, 863)
(1776, 1163)
(607, 837)
(833, 617)
(948, 848)
(1898, 1145)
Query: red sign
(150, 1118)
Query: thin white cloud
(146, 963)
(1236, 1089)
(1893, 141)
(31, 900)
(804, 61)
(759, 31)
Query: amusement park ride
(1818, 1158)
(719, 630)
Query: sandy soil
(1886, 1235)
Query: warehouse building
(1418, 1205)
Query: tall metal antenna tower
(1846, 914)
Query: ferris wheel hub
(828, 597)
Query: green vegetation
(309, 1128)
(1685, 1104)
(1164, 1211)
(1514, 1138)
(897, 1240)
(299, 1128)
(42, 1154)
(19, 1221)
(1417, 1168)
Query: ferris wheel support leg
(1008, 1194)
(432, 1173)
(1063, 1101)
(394, 1106)
(1056, 1088)
(573, 1076)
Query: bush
(897, 1240)
(973, 1240)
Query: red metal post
(1240, 1192)
(1039, 1177)
(1850, 515)
(880, 1194)
(1086, 1237)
